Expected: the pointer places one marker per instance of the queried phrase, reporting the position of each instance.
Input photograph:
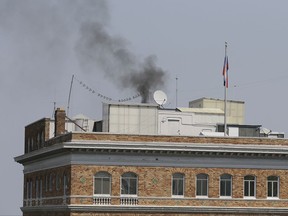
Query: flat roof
(202, 110)
(215, 99)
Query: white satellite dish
(160, 97)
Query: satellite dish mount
(160, 97)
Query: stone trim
(198, 149)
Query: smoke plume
(97, 47)
(45, 35)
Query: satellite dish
(160, 97)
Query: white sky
(38, 58)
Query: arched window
(129, 184)
(40, 187)
(202, 185)
(225, 185)
(58, 182)
(102, 183)
(27, 189)
(28, 145)
(249, 186)
(50, 181)
(178, 184)
(37, 188)
(273, 187)
(65, 183)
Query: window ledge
(272, 198)
(128, 195)
(101, 195)
(177, 196)
(225, 197)
(202, 197)
(249, 198)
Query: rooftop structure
(145, 160)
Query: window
(46, 182)
(65, 183)
(50, 181)
(31, 189)
(225, 185)
(249, 186)
(129, 184)
(40, 188)
(37, 188)
(273, 187)
(102, 183)
(27, 189)
(202, 185)
(58, 182)
(178, 184)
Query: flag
(225, 71)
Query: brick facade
(154, 186)
(75, 158)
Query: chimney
(60, 116)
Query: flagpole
(225, 97)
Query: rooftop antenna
(176, 91)
(54, 108)
(68, 106)
(160, 97)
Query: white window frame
(207, 184)
(278, 187)
(108, 175)
(182, 178)
(249, 181)
(231, 185)
(136, 178)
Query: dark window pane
(106, 186)
(205, 192)
(125, 184)
(252, 188)
(222, 188)
(97, 186)
(180, 187)
(269, 189)
(272, 178)
(228, 188)
(198, 188)
(246, 188)
(275, 189)
(133, 186)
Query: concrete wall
(133, 119)
(235, 109)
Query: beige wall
(235, 109)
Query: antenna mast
(225, 90)
(176, 91)
(68, 106)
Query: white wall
(171, 122)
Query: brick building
(88, 173)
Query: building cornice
(158, 148)
(220, 150)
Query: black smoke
(111, 53)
